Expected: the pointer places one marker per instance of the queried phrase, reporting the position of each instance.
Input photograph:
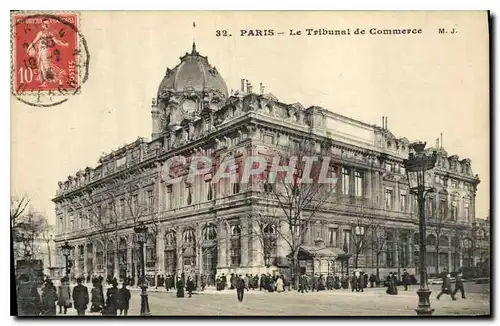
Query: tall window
(466, 211)
(135, 202)
(345, 181)
(390, 249)
(150, 201)
(122, 207)
(270, 242)
(332, 237)
(429, 207)
(442, 208)
(454, 210)
(388, 167)
(235, 245)
(170, 197)
(454, 184)
(402, 201)
(71, 223)
(388, 198)
(359, 184)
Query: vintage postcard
(250, 163)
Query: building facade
(197, 226)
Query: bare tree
(47, 236)
(299, 197)
(28, 228)
(378, 243)
(17, 208)
(362, 231)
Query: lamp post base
(144, 302)
(424, 303)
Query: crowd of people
(116, 300)
(31, 303)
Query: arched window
(270, 243)
(431, 240)
(188, 236)
(235, 245)
(170, 252)
(210, 232)
(443, 241)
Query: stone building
(201, 227)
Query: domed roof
(194, 71)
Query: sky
(426, 84)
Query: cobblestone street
(372, 302)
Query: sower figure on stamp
(41, 48)
(459, 285)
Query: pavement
(371, 302)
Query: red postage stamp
(45, 53)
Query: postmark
(49, 59)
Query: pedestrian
(80, 297)
(49, 299)
(459, 285)
(203, 282)
(123, 299)
(190, 286)
(446, 288)
(354, 282)
(111, 299)
(247, 282)
(314, 283)
(280, 286)
(392, 288)
(180, 287)
(372, 280)
(361, 282)
(406, 279)
(97, 298)
(64, 297)
(240, 287)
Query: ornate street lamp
(416, 165)
(141, 231)
(66, 249)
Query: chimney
(243, 85)
(261, 89)
(383, 122)
(441, 140)
(386, 123)
(249, 88)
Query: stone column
(221, 244)
(130, 262)
(396, 250)
(449, 255)
(244, 241)
(257, 248)
(396, 196)
(85, 267)
(381, 195)
(178, 250)
(160, 251)
(411, 249)
(368, 187)
(461, 259)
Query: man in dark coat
(406, 279)
(303, 283)
(224, 281)
(314, 283)
(459, 285)
(240, 288)
(361, 282)
(80, 297)
(190, 286)
(446, 288)
(354, 282)
(123, 299)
